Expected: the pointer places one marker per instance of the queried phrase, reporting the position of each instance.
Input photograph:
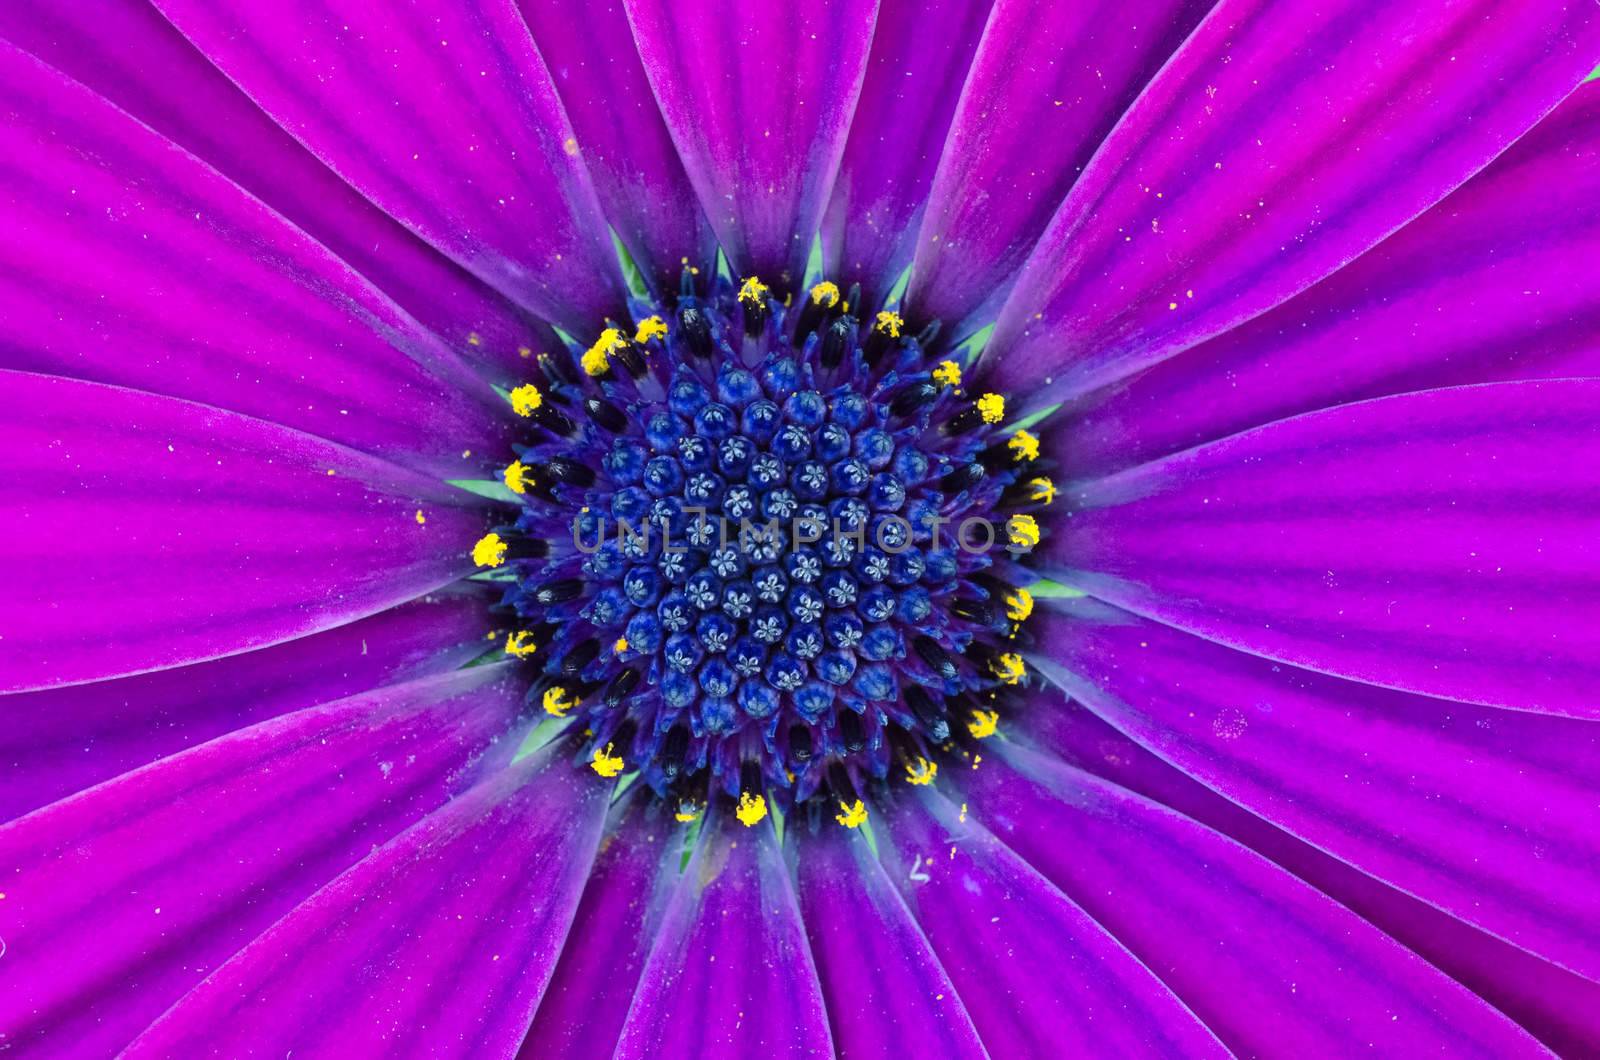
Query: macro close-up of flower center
(769, 553)
(963, 529)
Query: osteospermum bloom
(1253, 712)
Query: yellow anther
(889, 323)
(518, 476)
(1019, 605)
(520, 645)
(620, 646)
(687, 811)
(752, 290)
(948, 373)
(1023, 530)
(605, 763)
(983, 724)
(526, 398)
(556, 701)
(1009, 668)
(490, 551)
(826, 294)
(854, 815)
(422, 520)
(1023, 446)
(597, 358)
(922, 771)
(751, 809)
(992, 407)
(650, 328)
(1043, 489)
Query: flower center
(767, 553)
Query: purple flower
(1243, 354)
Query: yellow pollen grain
(1009, 668)
(517, 477)
(983, 724)
(752, 290)
(854, 815)
(570, 146)
(687, 811)
(889, 323)
(1023, 446)
(825, 294)
(963, 817)
(526, 398)
(620, 646)
(605, 763)
(992, 407)
(474, 339)
(922, 771)
(1023, 530)
(948, 373)
(556, 702)
(1019, 605)
(650, 328)
(1043, 489)
(422, 520)
(597, 358)
(490, 551)
(520, 645)
(525, 352)
(751, 809)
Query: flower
(1243, 351)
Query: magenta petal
(731, 973)
(122, 898)
(128, 262)
(1440, 542)
(145, 532)
(886, 992)
(444, 115)
(637, 174)
(583, 1009)
(1486, 813)
(914, 76)
(133, 57)
(1039, 977)
(438, 944)
(759, 108)
(1271, 965)
(61, 740)
(1050, 80)
(1484, 287)
(1285, 138)
(1560, 1008)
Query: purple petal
(637, 174)
(62, 740)
(145, 532)
(1050, 80)
(1561, 1008)
(1285, 138)
(133, 57)
(444, 115)
(731, 973)
(759, 108)
(128, 262)
(1270, 965)
(1481, 288)
(886, 992)
(914, 76)
(1440, 542)
(1486, 813)
(1038, 976)
(438, 944)
(122, 898)
(587, 1000)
